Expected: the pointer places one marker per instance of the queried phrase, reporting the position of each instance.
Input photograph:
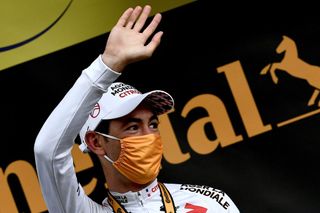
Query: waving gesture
(127, 41)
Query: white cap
(121, 99)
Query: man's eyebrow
(136, 120)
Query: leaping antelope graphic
(293, 65)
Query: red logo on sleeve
(195, 209)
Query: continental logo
(293, 65)
(217, 116)
(220, 120)
(33, 28)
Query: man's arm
(55, 139)
(126, 44)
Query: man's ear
(92, 140)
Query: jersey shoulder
(209, 196)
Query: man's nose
(146, 131)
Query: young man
(120, 125)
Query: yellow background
(85, 19)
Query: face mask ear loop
(108, 136)
(108, 159)
(111, 137)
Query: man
(120, 125)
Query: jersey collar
(135, 197)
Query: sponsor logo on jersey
(215, 194)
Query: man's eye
(154, 125)
(133, 127)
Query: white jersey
(61, 190)
(186, 198)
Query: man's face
(141, 121)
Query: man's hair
(103, 126)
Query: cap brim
(160, 101)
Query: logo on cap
(95, 111)
(123, 90)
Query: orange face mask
(140, 157)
